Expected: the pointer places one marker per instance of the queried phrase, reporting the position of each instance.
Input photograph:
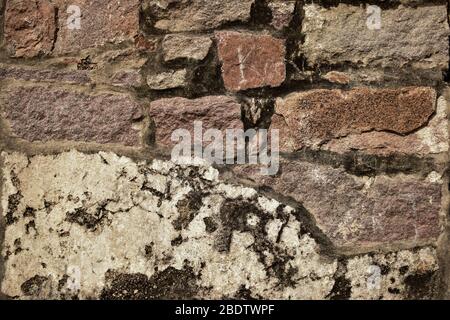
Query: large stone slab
(360, 211)
(407, 36)
(313, 118)
(19, 72)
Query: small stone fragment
(282, 13)
(167, 80)
(185, 47)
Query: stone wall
(93, 207)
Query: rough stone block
(167, 80)
(44, 113)
(30, 27)
(215, 112)
(251, 60)
(185, 47)
(360, 211)
(101, 22)
(430, 139)
(408, 36)
(313, 118)
(178, 16)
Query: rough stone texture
(121, 68)
(102, 22)
(216, 112)
(360, 211)
(44, 112)
(167, 80)
(177, 15)
(185, 47)
(71, 233)
(127, 78)
(337, 77)
(397, 279)
(282, 13)
(312, 118)
(251, 60)
(42, 75)
(29, 27)
(432, 139)
(409, 36)
(357, 210)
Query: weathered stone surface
(29, 27)
(127, 78)
(282, 13)
(120, 67)
(409, 36)
(72, 233)
(185, 47)
(432, 139)
(40, 75)
(251, 60)
(215, 112)
(44, 112)
(101, 22)
(360, 211)
(312, 118)
(176, 15)
(337, 77)
(167, 80)
(372, 76)
(397, 275)
(145, 43)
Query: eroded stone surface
(312, 118)
(167, 80)
(101, 22)
(360, 211)
(432, 139)
(185, 47)
(215, 112)
(138, 231)
(29, 27)
(282, 13)
(41, 75)
(251, 60)
(408, 36)
(408, 274)
(176, 15)
(48, 112)
(127, 78)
